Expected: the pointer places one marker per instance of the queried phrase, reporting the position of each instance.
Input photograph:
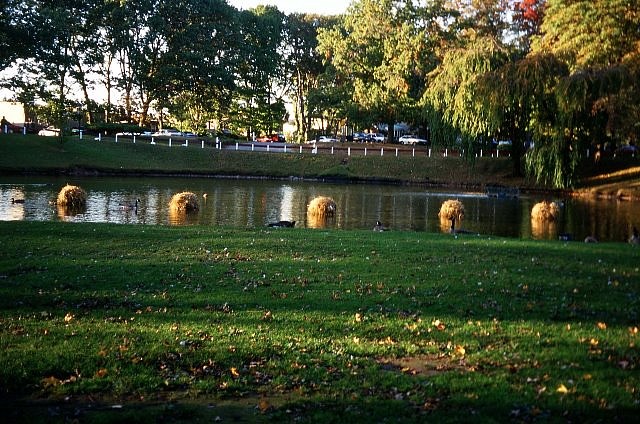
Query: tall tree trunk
(391, 122)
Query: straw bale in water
(452, 210)
(184, 202)
(545, 211)
(72, 197)
(322, 206)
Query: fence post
(365, 151)
(99, 136)
(253, 147)
(285, 148)
(396, 152)
(24, 131)
(237, 146)
(382, 151)
(134, 139)
(413, 152)
(301, 149)
(169, 141)
(429, 151)
(446, 152)
(202, 143)
(349, 151)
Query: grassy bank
(19, 154)
(104, 323)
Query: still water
(255, 203)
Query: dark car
(628, 151)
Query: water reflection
(255, 203)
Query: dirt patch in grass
(424, 365)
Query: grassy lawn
(20, 154)
(114, 323)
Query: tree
(16, 39)
(304, 64)
(260, 74)
(200, 62)
(384, 49)
(597, 99)
(60, 29)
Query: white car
(325, 139)
(49, 132)
(168, 132)
(412, 139)
(378, 137)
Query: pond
(255, 203)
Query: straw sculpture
(545, 211)
(322, 206)
(184, 202)
(72, 197)
(452, 210)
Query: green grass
(186, 324)
(32, 154)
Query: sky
(321, 7)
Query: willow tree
(597, 100)
(453, 91)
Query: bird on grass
(379, 227)
(283, 224)
(17, 200)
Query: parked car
(377, 137)
(327, 139)
(168, 132)
(412, 139)
(49, 132)
(272, 138)
(626, 151)
(504, 145)
(362, 137)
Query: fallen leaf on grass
(562, 389)
(50, 382)
(438, 324)
(602, 326)
(101, 373)
(264, 405)
(234, 372)
(68, 317)
(460, 350)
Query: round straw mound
(72, 197)
(184, 202)
(452, 209)
(545, 211)
(322, 206)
